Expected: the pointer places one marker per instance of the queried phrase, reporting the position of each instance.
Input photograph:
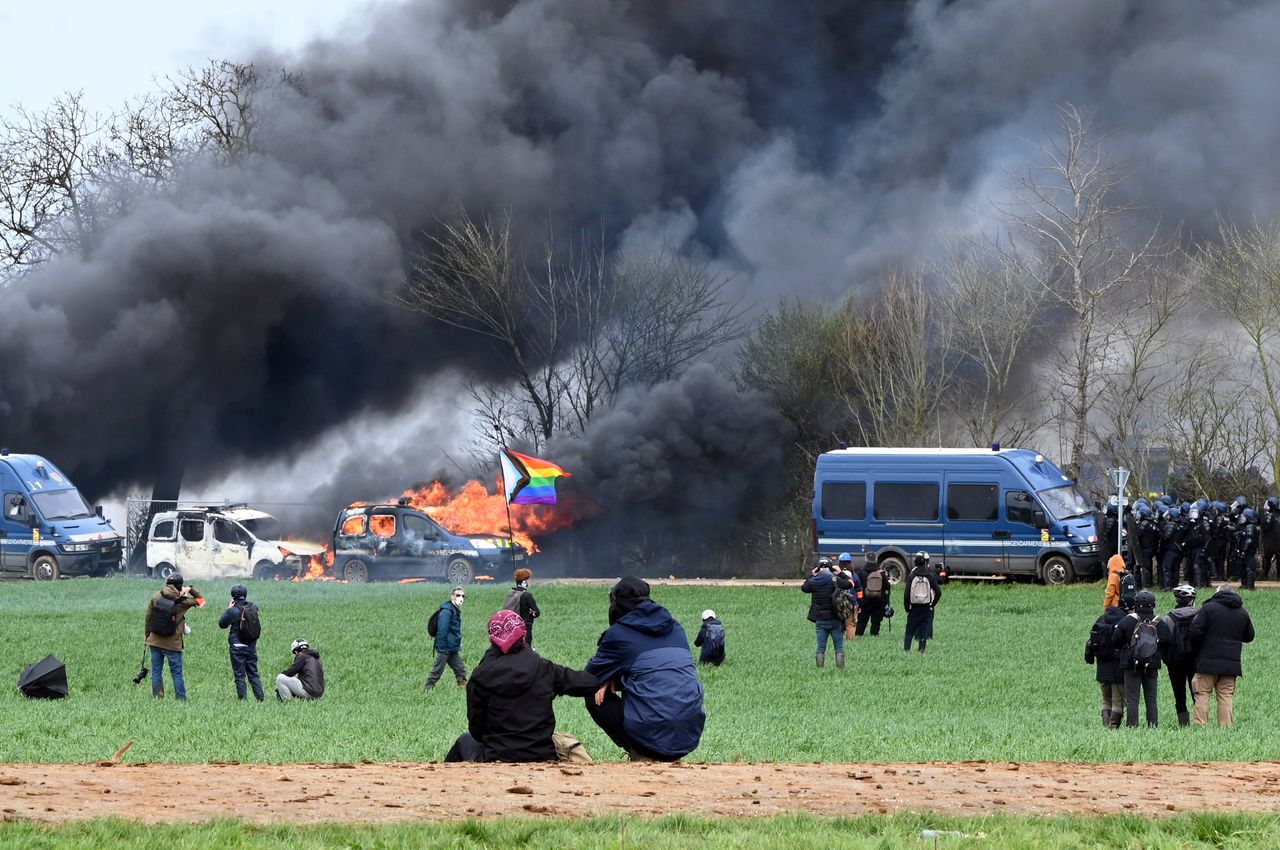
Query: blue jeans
(834, 628)
(158, 657)
(244, 661)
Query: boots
(1184, 718)
(922, 643)
(1106, 718)
(1113, 721)
(839, 660)
(822, 658)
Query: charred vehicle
(232, 541)
(397, 541)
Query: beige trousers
(1204, 684)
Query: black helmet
(239, 591)
(824, 563)
(1273, 504)
(174, 580)
(1144, 599)
(922, 558)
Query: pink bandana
(506, 629)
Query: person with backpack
(711, 639)
(920, 596)
(1174, 631)
(1218, 633)
(165, 625)
(1120, 584)
(1100, 650)
(245, 627)
(1138, 641)
(520, 600)
(822, 586)
(304, 679)
(445, 626)
(875, 596)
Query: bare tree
(218, 103)
(1088, 252)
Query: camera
(142, 674)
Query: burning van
(373, 542)
(232, 541)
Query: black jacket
(231, 619)
(1124, 637)
(928, 573)
(307, 667)
(1217, 633)
(1108, 659)
(509, 703)
(709, 655)
(822, 587)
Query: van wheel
(265, 570)
(1057, 570)
(459, 572)
(895, 567)
(355, 571)
(45, 568)
(164, 571)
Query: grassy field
(1004, 679)
(1118, 832)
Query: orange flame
(318, 565)
(473, 510)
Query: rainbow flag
(529, 480)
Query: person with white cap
(711, 639)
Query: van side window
(354, 526)
(973, 502)
(418, 526)
(225, 532)
(1020, 507)
(18, 512)
(193, 530)
(164, 530)
(383, 525)
(844, 500)
(906, 501)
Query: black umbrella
(46, 679)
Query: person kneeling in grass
(509, 701)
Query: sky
(69, 45)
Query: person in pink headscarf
(509, 698)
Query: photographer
(242, 618)
(164, 626)
(305, 677)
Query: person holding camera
(164, 627)
(245, 626)
(823, 585)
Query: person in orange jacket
(1119, 582)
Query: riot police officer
(1215, 547)
(1147, 547)
(1269, 532)
(1245, 548)
(1193, 541)
(1172, 533)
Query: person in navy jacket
(644, 653)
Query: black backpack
(433, 624)
(1179, 650)
(512, 600)
(715, 637)
(1144, 647)
(250, 623)
(164, 617)
(1128, 585)
(1100, 640)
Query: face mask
(457, 600)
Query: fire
(473, 510)
(318, 565)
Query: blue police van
(47, 529)
(984, 511)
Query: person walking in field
(1100, 650)
(875, 596)
(520, 600)
(1174, 630)
(1218, 633)
(244, 628)
(448, 639)
(304, 679)
(164, 627)
(822, 586)
(1137, 639)
(711, 639)
(920, 597)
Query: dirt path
(310, 793)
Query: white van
(224, 542)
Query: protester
(645, 653)
(1174, 631)
(164, 628)
(305, 677)
(243, 642)
(520, 600)
(448, 640)
(875, 596)
(1137, 639)
(822, 586)
(1120, 583)
(1218, 631)
(920, 596)
(711, 639)
(1100, 650)
(509, 698)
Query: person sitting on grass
(645, 653)
(510, 696)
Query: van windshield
(62, 504)
(263, 528)
(1065, 502)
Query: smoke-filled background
(240, 324)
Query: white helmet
(708, 614)
(299, 643)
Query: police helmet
(1202, 503)
(1249, 514)
(1273, 504)
(921, 558)
(1174, 513)
(1166, 499)
(1144, 512)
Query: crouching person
(509, 700)
(645, 653)
(305, 677)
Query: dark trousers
(1248, 568)
(1270, 562)
(1146, 579)
(1180, 680)
(919, 625)
(454, 660)
(466, 748)
(1169, 568)
(1193, 566)
(1217, 566)
(1143, 681)
(244, 662)
(870, 612)
(609, 717)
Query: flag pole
(502, 472)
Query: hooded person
(658, 715)
(164, 629)
(1120, 583)
(509, 698)
(305, 677)
(1218, 633)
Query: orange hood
(1115, 564)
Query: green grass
(1004, 679)
(1118, 832)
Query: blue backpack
(715, 637)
